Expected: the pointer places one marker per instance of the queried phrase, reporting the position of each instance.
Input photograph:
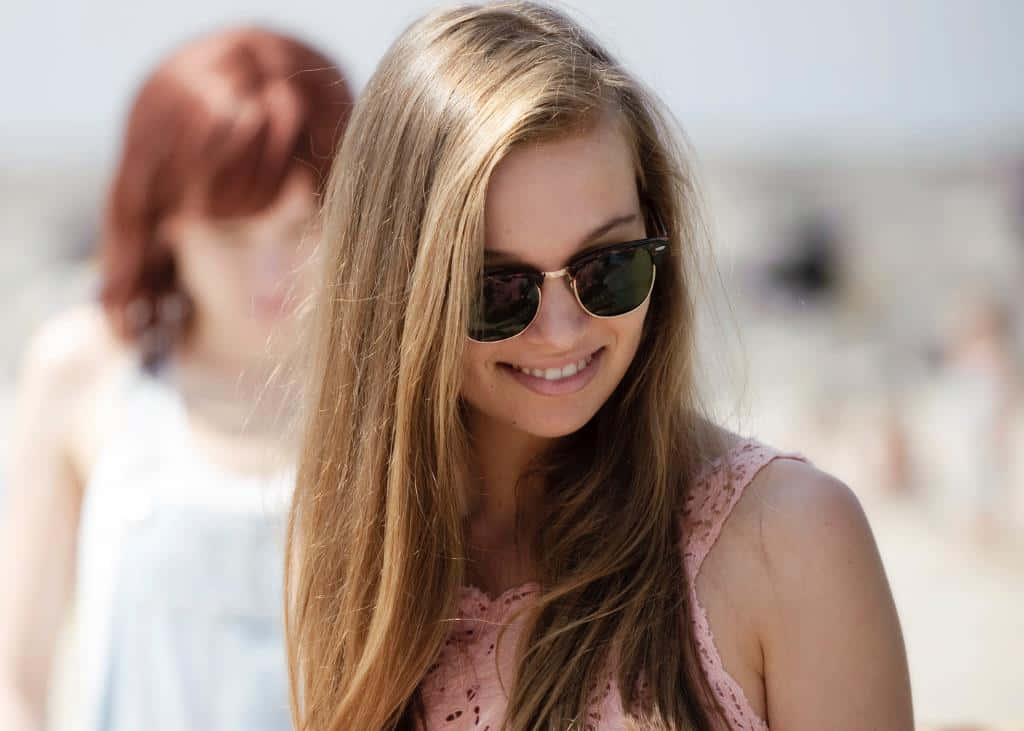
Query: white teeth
(557, 374)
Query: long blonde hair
(377, 527)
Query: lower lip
(562, 386)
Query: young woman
(147, 447)
(510, 512)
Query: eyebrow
(605, 228)
(585, 244)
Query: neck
(506, 503)
(218, 381)
(243, 363)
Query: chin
(555, 425)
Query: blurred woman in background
(150, 461)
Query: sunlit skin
(245, 275)
(546, 203)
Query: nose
(561, 321)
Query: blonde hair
(377, 526)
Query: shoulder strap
(712, 497)
(714, 494)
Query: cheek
(632, 326)
(211, 275)
(626, 332)
(483, 388)
(474, 371)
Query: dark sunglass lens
(616, 282)
(507, 305)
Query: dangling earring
(173, 310)
(172, 314)
(163, 322)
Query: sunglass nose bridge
(563, 272)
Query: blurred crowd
(881, 314)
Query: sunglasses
(608, 281)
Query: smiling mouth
(558, 373)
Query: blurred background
(863, 167)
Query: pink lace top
(467, 688)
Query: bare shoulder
(805, 530)
(67, 370)
(783, 493)
(72, 349)
(827, 625)
(797, 504)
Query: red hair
(224, 120)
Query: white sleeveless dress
(179, 580)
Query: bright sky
(742, 75)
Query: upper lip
(560, 363)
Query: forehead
(544, 198)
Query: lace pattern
(718, 489)
(466, 689)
